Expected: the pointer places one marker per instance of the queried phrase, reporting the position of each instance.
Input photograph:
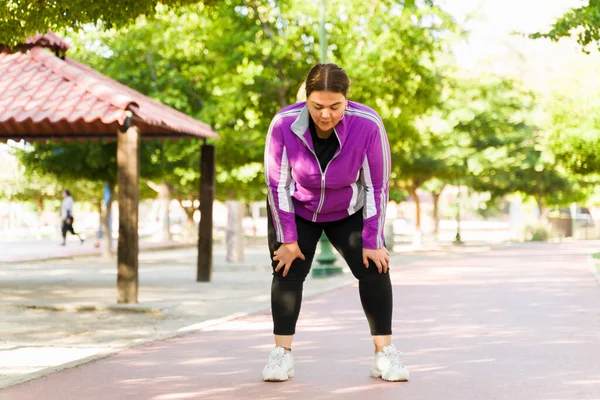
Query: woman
(327, 166)
(66, 213)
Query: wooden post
(128, 169)
(205, 228)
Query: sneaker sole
(377, 374)
(290, 374)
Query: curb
(118, 308)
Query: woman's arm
(375, 175)
(278, 176)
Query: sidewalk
(520, 322)
(64, 311)
(44, 250)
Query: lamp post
(326, 259)
(457, 238)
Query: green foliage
(479, 129)
(537, 233)
(390, 50)
(582, 21)
(575, 132)
(19, 19)
(234, 64)
(92, 161)
(22, 185)
(38, 186)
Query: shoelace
(277, 360)
(394, 356)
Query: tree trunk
(164, 200)
(190, 226)
(541, 208)
(436, 212)
(128, 164)
(39, 202)
(417, 236)
(189, 211)
(164, 196)
(234, 238)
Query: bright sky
(492, 47)
(506, 15)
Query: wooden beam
(205, 227)
(128, 171)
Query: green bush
(537, 233)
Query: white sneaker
(387, 365)
(280, 366)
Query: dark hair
(327, 78)
(67, 192)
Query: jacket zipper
(322, 198)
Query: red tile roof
(44, 96)
(48, 40)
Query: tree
(40, 187)
(572, 123)
(575, 133)
(235, 64)
(19, 184)
(583, 22)
(19, 19)
(81, 166)
(199, 74)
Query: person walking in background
(327, 167)
(66, 213)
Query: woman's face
(326, 109)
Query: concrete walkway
(63, 311)
(21, 251)
(521, 322)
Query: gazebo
(45, 95)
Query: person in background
(66, 213)
(327, 167)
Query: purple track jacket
(356, 177)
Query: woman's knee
(298, 271)
(370, 274)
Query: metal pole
(323, 36)
(326, 259)
(458, 239)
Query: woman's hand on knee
(286, 254)
(381, 258)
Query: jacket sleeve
(375, 175)
(278, 176)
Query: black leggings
(67, 226)
(346, 236)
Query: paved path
(61, 311)
(521, 322)
(19, 251)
